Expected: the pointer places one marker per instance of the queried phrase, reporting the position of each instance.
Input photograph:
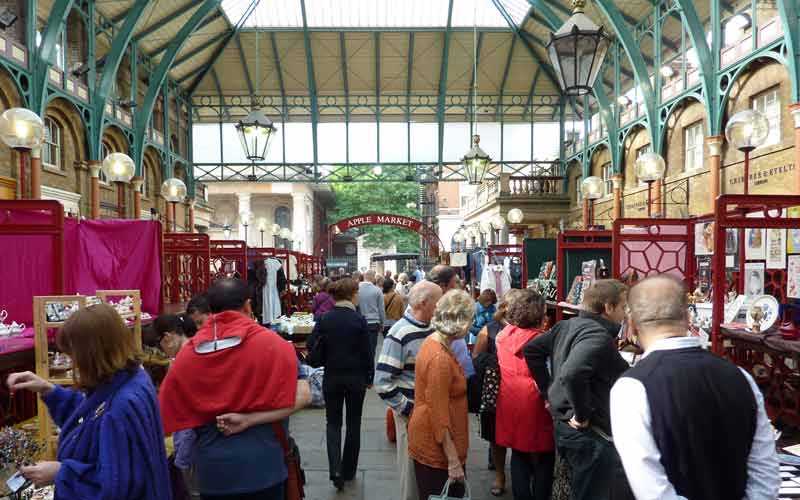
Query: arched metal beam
(706, 61)
(623, 32)
(113, 59)
(43, 58)
(157, 77)
(440, 102)
(790, 19)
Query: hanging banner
(380, 219)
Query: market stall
(581, 257)
(753, 323)
(647, 247)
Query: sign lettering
(762, 176)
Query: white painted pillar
(299, 223)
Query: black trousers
(532, 475)
(274, 493)
(431, 481)
(341, 390)
(597, 472)
(374, 330)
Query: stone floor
(377, 476)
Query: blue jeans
(596, 468)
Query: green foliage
(356, 198)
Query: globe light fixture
(592, 189)
(577, 51)
(476, 162)
(485, 226)
(377, 170)
(226, 231)
(22, 130)
(747, 130)
(498, 222)
(649, 168)
(515, 216)
(173, 191)
(286, 235)
(459, 237)
(255, 132)
(119, 169)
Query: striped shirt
(394, 375)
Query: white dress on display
(497, 278)
(271, 308)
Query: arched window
(51, 149)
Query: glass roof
(375, 14)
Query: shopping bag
(445, 495)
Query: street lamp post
(747, 130)
(649, 168)
(174, 191)
(592, 189)
(276, 234)
(119, 169)
(22, 130)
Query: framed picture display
(793, 277)
(704, 238)
(755, 245)
(754, 279)
(793, 241)
(776, 248)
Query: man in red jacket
(230, 392)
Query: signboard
(379, 219)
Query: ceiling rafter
(246, 69)
(312, 83)
(200, 48)
(208, 20)
(218, 51)
(506, 70)
(409, 74)
(376, 37)
(276, 59)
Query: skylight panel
(374, 14)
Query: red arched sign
(391, 220)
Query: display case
(573, 249)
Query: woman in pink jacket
(523, 422)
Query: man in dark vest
(688, 424)
(576, 363)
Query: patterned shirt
(394, 375)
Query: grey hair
(453, 314)
(419, 294)
(658, 301)
(370, 276)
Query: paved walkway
(377, 476)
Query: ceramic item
(768, 306)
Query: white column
(309, 225)
(299, 224)
(244, 210)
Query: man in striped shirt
(394, 375)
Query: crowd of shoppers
(681, 424)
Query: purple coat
(322, 303)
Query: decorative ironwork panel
(228, 259)
(654, 246)
(187, 265)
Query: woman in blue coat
(111, 445)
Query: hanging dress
(271, 304)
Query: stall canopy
(395, 256)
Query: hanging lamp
(476, 162)
(256, 130)
(577, 51)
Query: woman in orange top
(438, 433)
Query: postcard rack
(46, 312)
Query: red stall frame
(653, 235)
(589, 241)
(187, 266)
(225, 252)
(282, 255)
(730, 214)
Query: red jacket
(523, 423)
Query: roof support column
(312, 84)
(44, 55)
(443, 81)
(790, 18)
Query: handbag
(316, 351)
(445, 494)
(296, 478)
(491, 389)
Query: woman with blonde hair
(438, 432)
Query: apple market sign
(389, 220)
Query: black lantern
(476, 162)
(577, 51)
(255, 132)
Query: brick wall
(9, 98)
(16, 32)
